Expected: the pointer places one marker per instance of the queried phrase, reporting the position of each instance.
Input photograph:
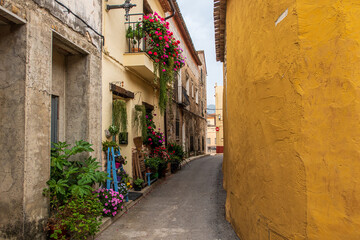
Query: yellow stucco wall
(115, 71)
(291, 157)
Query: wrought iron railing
(137, 39)
(185, 100)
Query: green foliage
(176, 150)
(138, 32)
(77, 217)
(138, 182)
(120, 115)
(153, 163)
(107, 144)
(140, 120)
(72, 178)
(114, 130)
(177, 155)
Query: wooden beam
(148, 106)
(121, 92)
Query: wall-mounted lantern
(127, 6)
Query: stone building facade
(186, 113)
(50, 90)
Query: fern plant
(120, 115)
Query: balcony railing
(135, 58)
(183, 97)
(136, 37)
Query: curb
(190, 159)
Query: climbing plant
(164, 49)
(119, 115)
(140, 120)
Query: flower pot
(137, 188)
(135, 50)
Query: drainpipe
(172, 10)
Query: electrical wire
(82, 20)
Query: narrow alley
(189, 205)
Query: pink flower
(150, 52)
(164, 70)
(150, 139)
(106, 196)
(160, 38)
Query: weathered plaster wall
(291, 159)
(12, 122)
(27, 113)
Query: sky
(198, 15)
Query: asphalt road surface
(188, 206)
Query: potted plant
(113, 130)
(153, 164)
(130, 34)
(138, 34)
(123, 138)
(138, 184)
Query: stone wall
(25, 105)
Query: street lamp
(127, 6)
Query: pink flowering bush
(165, 50)
(113, 202)
(154, 138)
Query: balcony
(183, 97)
(136, 59)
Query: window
(177, 128)
(192, 91)
(215, 140)
(209, 141)
(197, 96)
(187, 87)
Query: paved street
(189, 205)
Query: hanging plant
(120, 115)
(164, 49)
(113, 130)
(140, 119)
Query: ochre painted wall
(292, 156)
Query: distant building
(211, 133)
(219, 119)
(185, 115)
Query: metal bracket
(127, 6)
